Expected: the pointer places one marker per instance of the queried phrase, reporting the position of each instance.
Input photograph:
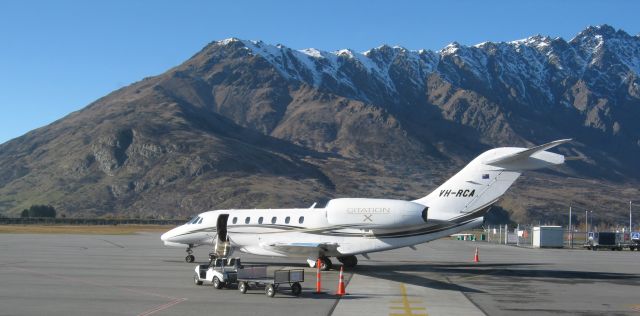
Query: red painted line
(162, 307)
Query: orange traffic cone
(318, 278)
(476, 258)
(341, 290)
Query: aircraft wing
(302, 248)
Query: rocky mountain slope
(249, 124)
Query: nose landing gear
(189, 258)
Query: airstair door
(221, 226)
(222, 247)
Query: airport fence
(88, 221)
(519, 236)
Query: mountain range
(245, 124)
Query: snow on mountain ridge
(311, 65)
(529, 65)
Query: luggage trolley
(256, 277)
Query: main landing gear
(326, 264)
(348, 261)
(189, 258)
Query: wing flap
(302, 248)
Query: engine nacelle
(375, 213)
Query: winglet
(526, 153)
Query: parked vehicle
(603, 240)
(220, 272)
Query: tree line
(39, 211)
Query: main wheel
(325, 264)
(189, 258)
(242, 287)
(348, 261)
(196, 280)
(296, 289)
(270, 290)
(216, 283)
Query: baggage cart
(256, 277)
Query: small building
(548, 237)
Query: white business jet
(347, 227)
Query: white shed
(548, 237)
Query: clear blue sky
(58, 56)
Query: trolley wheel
(216, 283)
(296, 289)
(242, 287)
(270, 290)
(196, 280)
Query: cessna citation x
(347, 227)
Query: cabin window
(287, 219)
(246, 220)
(273, 220)
(260, 220)
(301, 219)
(235, 220)
(200, 221)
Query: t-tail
(484, 180)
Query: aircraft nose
(167, 236)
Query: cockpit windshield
(193, 220)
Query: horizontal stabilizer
(527, 153)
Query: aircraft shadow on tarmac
(410, 273)
(391, 273)
(469, 271)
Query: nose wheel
(189, 258)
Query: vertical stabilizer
(485, 179)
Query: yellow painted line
(406, 305)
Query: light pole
(586, 224)
(630, 227)
(570, 229)
(591, 219)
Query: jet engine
(375, 213)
